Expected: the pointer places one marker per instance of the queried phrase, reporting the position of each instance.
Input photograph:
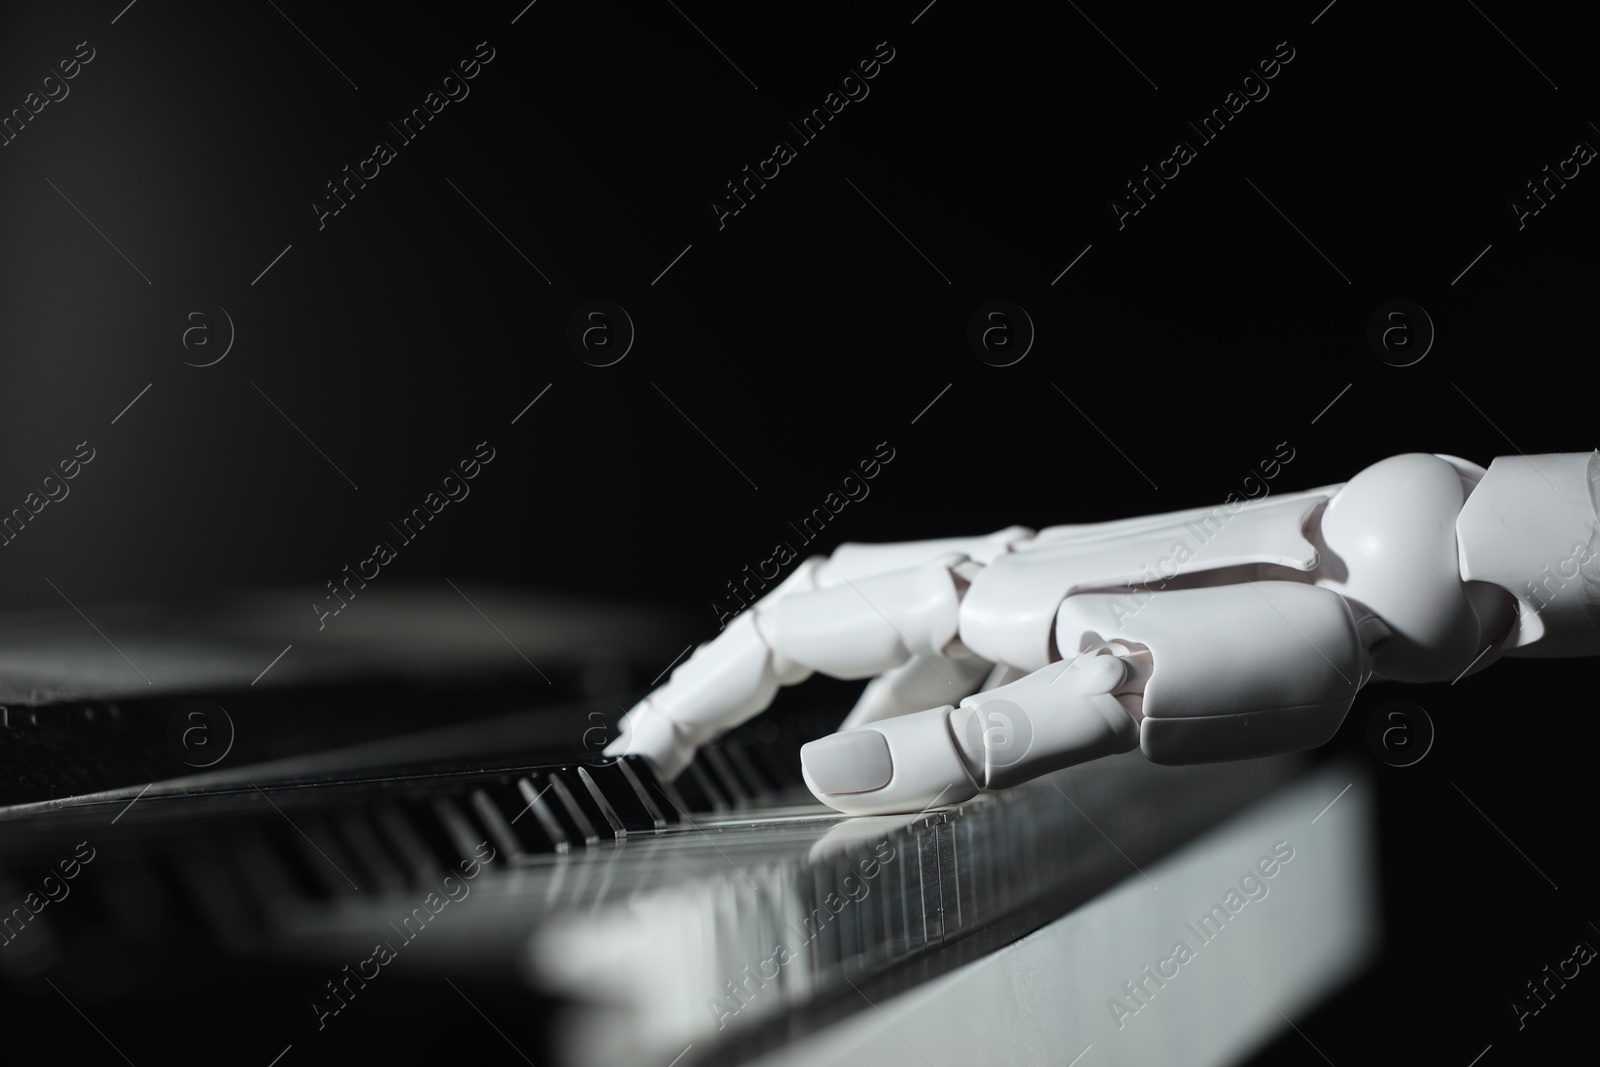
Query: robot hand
(1204, 635)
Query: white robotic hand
(1211, 634)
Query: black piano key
(420, 816)
(590, 803)
(764, 763)
(633, 804)
(289, 855)
(464, 835)
(329, 862)
(141, 901)
(675, 799)
(378, 870)
(713, 759)
(530, 835)
(264, 875)
(700, 790)
(607, 812)
(215, 894)
(540, 811)
(502, 835)
(739, 759)
(778, 758)
(421, 865)
(577, 818)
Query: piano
(403, 839)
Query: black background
(807, 329)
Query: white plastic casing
(1052, 718)
(855, 560)
(1532, 527)
(924, 765)
(1239, 670)
(1220, 633)
(1057, 717)
(1007, 615)
(867, 626)
(1390, 544)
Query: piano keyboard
(714, 910)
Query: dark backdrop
(776, 348)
